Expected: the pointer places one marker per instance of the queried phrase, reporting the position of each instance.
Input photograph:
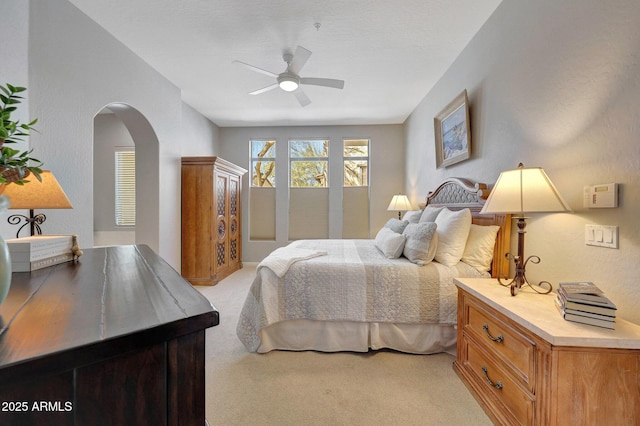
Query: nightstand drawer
(507, 344)
(496, 380)
(575, 374)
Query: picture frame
(453, 132)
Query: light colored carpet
(311, 388)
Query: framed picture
(453, 133)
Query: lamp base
(34, 222)
(520, 280)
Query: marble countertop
(537, 312)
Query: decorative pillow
(453, 230)
(430, 213)
(390, 243)
(396, 225)
(412, 216)
(479, 249)
(420, 247)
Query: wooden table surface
(111, 300)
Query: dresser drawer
(506, 343)
(495, 380)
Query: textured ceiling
(390, 54)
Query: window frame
(263, 159)
(324, 159)
(356, 158)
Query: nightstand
(525, 364)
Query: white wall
(14, 45)
(556, 85)
(386, 159)
(75, 69)
(200, 136)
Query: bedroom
(551, 85)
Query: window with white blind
(125, 163)
(355, 193)
(309, 189)
(262, 191)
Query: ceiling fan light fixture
(288, 82)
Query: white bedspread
(353, 282)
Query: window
(356, 162)
(309, 163)
(355, 191)
(263, 163)
(125, 162)
(262, 194)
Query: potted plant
(15, 165)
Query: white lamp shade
(399, 203)
(525, 189)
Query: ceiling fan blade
(256, 69)
(300, 57)
(302, 97)
(264, 89)
(326, 82)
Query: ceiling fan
(290, 80)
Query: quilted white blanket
(353, 282)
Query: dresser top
(108, 294)
(538, 313)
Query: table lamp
(34, 194)
(525, 189)
(399, 203)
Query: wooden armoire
(211, 219)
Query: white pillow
(396, 225)
(412, 216)
(430, 213)
(390, 243)
(480, 244)
(453, 230)
(421, 244)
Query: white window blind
(125, 188)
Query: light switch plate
(601, 236)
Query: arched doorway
(120, 127)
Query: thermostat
(601, 196)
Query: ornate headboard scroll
(459, 193)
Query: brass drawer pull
(498, 339)
(497, 385)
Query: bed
(355, 295)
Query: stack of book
(37, 252)
(585, 303)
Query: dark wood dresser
(117, 338)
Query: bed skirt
(332, 336)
